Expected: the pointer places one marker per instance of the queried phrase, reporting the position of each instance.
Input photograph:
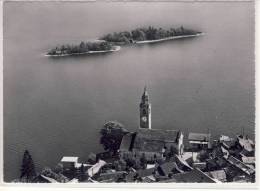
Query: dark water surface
(56, 107)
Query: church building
(148, 142)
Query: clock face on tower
(144, 119)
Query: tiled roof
(169, 180)
(199, 137)
(242, 166)
(193, 176)
(245, 143)
(158, 135)
(130, 177)
(153, 140)
(218, 174)
(248, 160)
(51, 180)
(228, 144)
(182, 161)
(145, 172)
(149, 140)
(149, 179)
(167, 167)
(69, 159)
(111, 175)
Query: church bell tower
(145, 111)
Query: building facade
(154, 144)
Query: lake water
(56, 107)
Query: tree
(172, 152)
(82, 174)
(58, 168)
(63, 48)
(105, 46)
(52, 51)
(137, 164)
(151, 33)
(82, 47)
(46, 171)
(143, 161)
(130, 162)
(120, 165)
(162, 33)
(27, 169)
(203, 155)
(111, 136)
(138, 35)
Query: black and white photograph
(129, 92)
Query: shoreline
(114, 49)
(168, 38)
(158, 40)
(117, 47)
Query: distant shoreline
(117, 47)
(114, 49)
(168, 38)
(158, 40)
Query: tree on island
(146, 33)
(151, 33)
(111, 136)
(83, 47)
(27, 169)
(138, 35)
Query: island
(149, 35)
(112, 42)
(98, 46)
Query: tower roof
(145, 95)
